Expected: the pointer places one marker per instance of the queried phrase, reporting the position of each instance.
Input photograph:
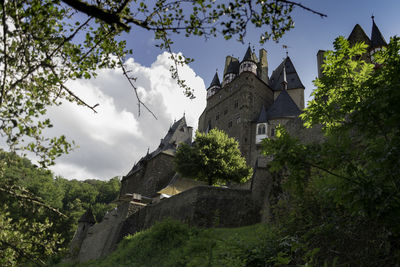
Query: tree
(45, 43)
(349, 184)
(214, 158)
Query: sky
(111, 141)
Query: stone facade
(247, 106)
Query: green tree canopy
(214, 158)
(348, 185)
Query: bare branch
(126, 74)
(303, 7)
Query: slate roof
(233, 67)
(358, 35)
(249, 56)
(283, 107)
(215, 81)
(87, 217)
(292, 77)
(167, 145)
(377, 39)
(263, 115)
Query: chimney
(263, 65)
(320, 61)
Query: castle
(247, 105)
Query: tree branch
(303, 7)
(125, 72)
(3, 19)
(10, 190)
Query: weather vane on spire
(286, 48)
(372, 17)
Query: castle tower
(377, 39)
(214, 86)
(249, 62)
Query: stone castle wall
(202, 206)
(151, 178)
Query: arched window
(261, 129)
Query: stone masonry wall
(202, 206)
(151, 178)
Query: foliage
(213, 157)
(345, 190)
(171, 243)
(32, 229)
(43, 44)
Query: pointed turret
(358, 35)
(249, 62)
(248, 56)
(214, 86)
(231, 71)
(215, 81)
(377, 39)
(285, 69)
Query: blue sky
(310, 34)
(112, 140)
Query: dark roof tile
(277, 77)
(283, 107)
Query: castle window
(237, 120)
(230, 124)
(273, 132)
(217, 117)
(236, 103)
(261, 129)
(225, 111)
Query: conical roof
(233, 67)
(358, 35)
(377, 39)
(249, 56)
(263, 115)
(215, 81)
(87, 217)
(283, 107)
(292, 78)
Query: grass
(171, 243)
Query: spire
(215, 81)
(377, 39)
(284, 82)
(248, 56)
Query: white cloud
(111, 140)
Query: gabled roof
(293, 79)
(167, 145)
(87, 217)
(263, 115)
(215, 81)
(358, 35)
(377, 39)
(283, 107)
(233, 67)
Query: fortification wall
(202, 206)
